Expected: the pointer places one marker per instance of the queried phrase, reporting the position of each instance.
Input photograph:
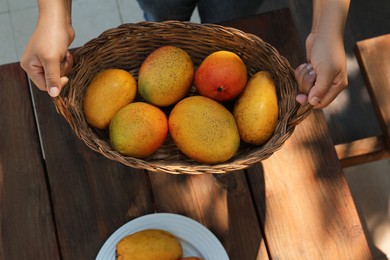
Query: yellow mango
(204, 130)
(149, 244)
(256, 109)
(108, 92)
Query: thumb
(320, 89)
(52, 77)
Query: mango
(149, 244)
(221, 76)
(204, 130)
(256, 109)
(138, 129)
(108, 92)
(166, 76)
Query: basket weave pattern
(127, 46)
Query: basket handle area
(302, 112)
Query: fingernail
(301, 99)
(309, 66)
(302, 66)
(312, 72)
(66, 80)
(314, 101)
(54, 91)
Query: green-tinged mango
(138, 129)
(166, 76)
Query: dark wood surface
(25, 208)
(67, 200)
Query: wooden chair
(374, 60)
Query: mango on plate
(149, 244)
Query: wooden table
(60, 200)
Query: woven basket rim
(68, 103)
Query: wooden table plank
(304, 201)
(26, 223)
(92, 195)
(220, 202)
(309, 212)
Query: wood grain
(362, 151)
(26, 224)
(309, 211)
(374, 59)
(221, 203)
(92, 196)
(305, 204)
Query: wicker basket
(128, 45)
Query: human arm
(46, 58)
(325, 74)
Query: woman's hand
(325, 76)
(46, 58)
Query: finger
(64, 80)
(332, 92)
(328, 98)
(298, 73)
(301, 99)
(35, 73)
(38, 78)
(306, 77)
(67, 64)
(320, 89)
(52, 76)
(66, 67)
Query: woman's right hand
(46, 58)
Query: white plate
(195, 238)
